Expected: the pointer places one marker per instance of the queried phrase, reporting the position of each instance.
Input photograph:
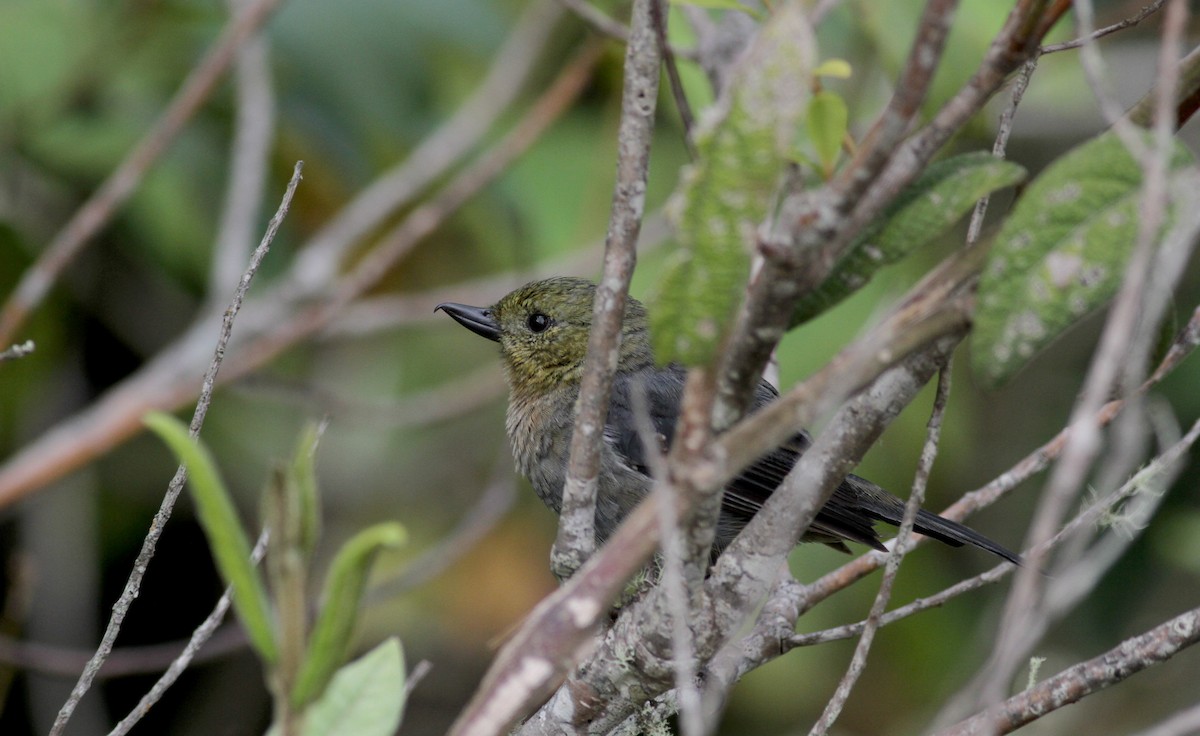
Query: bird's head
(543, 329)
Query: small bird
(543, 328)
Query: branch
(858, 662)
(576, 527)
(98, 209)
(276, 321)
(1129, 22)
(1071, 685)
(319, 261)
(134, 584)
(199, 637)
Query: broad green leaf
(921, 213)
(1062, 253)
(331, 636)
(226, 538)
(364, 698)
(827, 121)
(743, 145)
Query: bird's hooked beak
(476, 319)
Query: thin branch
(249, 162)
(673, 587)
(1000, 145)
(1129, 22)
(597, 20)
(276, 322)
(321, 258)
(374, 314)
(576, 528)
(60, 661)
(858, 662)
(496, 500)
(134, 584)
(1072, 684)
(448, 400)
(678, 93)
(200, 636)
(98, 209)
(1119, 359)
(1035, 462)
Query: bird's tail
(883, 506)
(955, 534)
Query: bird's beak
(476, 319)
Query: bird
(542, 329)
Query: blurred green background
(358, 86)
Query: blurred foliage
(359, 84)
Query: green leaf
(364, 698)
(834, 68)
(743, 146)
(1062, 253)
(304, 478)
(827, 121)
(219, 519)
(924, 211)
(331, 636)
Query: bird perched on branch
(543, 328)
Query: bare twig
(1146, 11)
(597, 20)
(253, 135)
(496, 500)
(60, 661)
(319, 261)
(1000, 145)
(576, 529)
(1069, 686)
(276, 322)
(672, 585)
(453, 398)
(133, 585)
(859, 661)
(91, 217)
(200, 636)
(1119, 359)
(676, 83)
(1033, 463)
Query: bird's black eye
(538, 322)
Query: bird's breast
(539, 431)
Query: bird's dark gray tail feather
(955, 534)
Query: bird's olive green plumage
(542, 329)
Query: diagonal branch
(95, 213)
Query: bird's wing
(745, 494)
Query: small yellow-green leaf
(922, 212)
(334, 627)
(743, 146)
(833, 68)
(1063, 252)
(827, 121)
(226, 538)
